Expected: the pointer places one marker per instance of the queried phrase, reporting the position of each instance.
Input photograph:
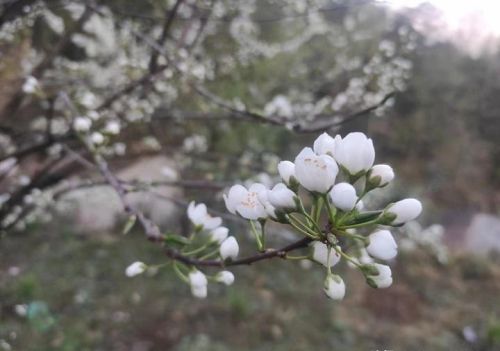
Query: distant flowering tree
(88, 83)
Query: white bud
(135, 268)
(229, 248)
(343, 196)
(382, 245)
(334, 287)
(219, 234)
(281, 197)
(82, 124)
(320, 254)
(326, 145)
(384, 277)
(225, 277)
(245, 202)
(286, 169)
(381, 175)
(315, 173)
(96, 138)
(198, 282)
(355, 152)
(405, 210)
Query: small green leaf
(130, 223)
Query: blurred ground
(79, 299)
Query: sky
(457, 12)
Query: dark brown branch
(169, 20)
(268, 254)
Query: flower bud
(380, 276)
(326, 145)
(135, 268)
(225, 277)
(320, 254)
(382, 245)
(286, 169)
(380, 176)
(229, 248)
(281, 197)
(343, 196)
(219, 234)
(334, 287)
(404, 211)
(198, 282)
(355, 153)
(315, 173)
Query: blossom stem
(305, 229)
(328, 268)
(179, 273)
(210, 254)
(373, 221)
(260, 246)
(309, 219)
(290, 257)
(347, 257)
(198, 250)
(330, 210)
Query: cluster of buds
(208, 240)
(321, 197)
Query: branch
(169, 20)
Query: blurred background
(185, 98)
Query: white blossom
(198, 282)
(245, 202)
(326, 145)
(135, 268)
(225, 277)
(343, 196)
(405, 210)
(384, 277)
(96, 138)
(30, 85)
(315, 173)
(320, 254)
(229, 248)
(82, 124)
(112, 127)
(199, 216)
(355, 152)
(334, 287)
(219, 234)
(382, 245)
(381, 175)
(281, 197)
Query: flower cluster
(321, 198)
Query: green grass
(80, 299)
